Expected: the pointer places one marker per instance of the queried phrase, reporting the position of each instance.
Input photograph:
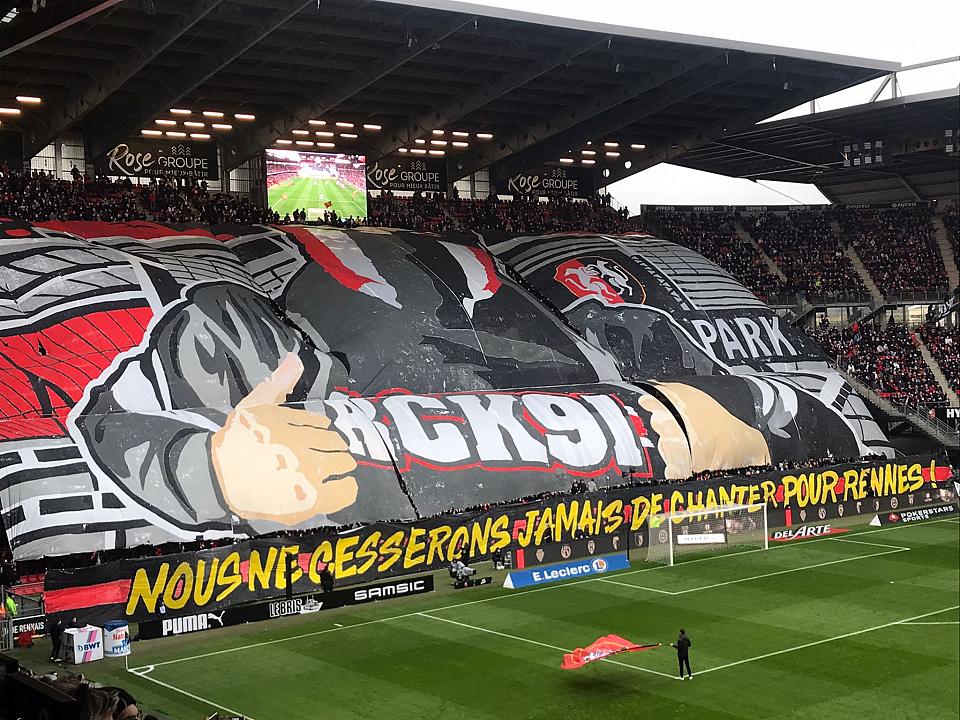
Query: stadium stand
(897, 247)
(714, 236)
(944, 344)
(951, 221)
(434, 213)
(805, 248)
(886, 359)
(41, 196)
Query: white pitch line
(826, 640)
(546, 645)
(758, 577)
(785, 572)
(144, 674)
(493, 598)
(939, 622)
(873, 544)
(636, 587)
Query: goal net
(724, 530)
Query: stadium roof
(809, 149)
(518, 89)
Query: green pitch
(860, 625)
(311, 194)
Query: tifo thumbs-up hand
(278, 463)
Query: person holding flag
(682, 647)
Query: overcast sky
(908, 33)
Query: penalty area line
(541, 644)
(144, 673)
(828, 640)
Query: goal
(724, 530)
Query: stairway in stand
(946, 251)
(952, 399)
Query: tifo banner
(300, 605)
(144, 157)
(669, 316)
(399, 172)
(928, 494)
(253, 570)
(149, 404)
(566, 571)
(548, 181)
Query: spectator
(887, 360)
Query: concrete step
(946, 252)
(938, 375)
(748, 239)
(937, 431)
(875, 295)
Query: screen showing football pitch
(317, 183)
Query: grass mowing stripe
(863, 542)
(785, 572)
(756, 577)
(544, 588)
(168, 686)
(546, 645)
(826, 640)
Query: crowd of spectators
(714, 236)
(944, 345)
(807, 251)
(951, 221)
(897, 246)
(424, 212)
(40, 196)
(433, 212)
(887, 359)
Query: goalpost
(728, 529)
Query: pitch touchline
(546, 645)
(144, 674)
(754, 577)
(938, 622)
(496, 597)
(827, 640)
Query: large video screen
(317, 183)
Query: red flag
(600, 649)
(328, 204)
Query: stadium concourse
(334, 382)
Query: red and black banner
(256, 570)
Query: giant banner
(254, 570)
(670, 316)
(400, 172)
(146, 157)
(164, 382)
